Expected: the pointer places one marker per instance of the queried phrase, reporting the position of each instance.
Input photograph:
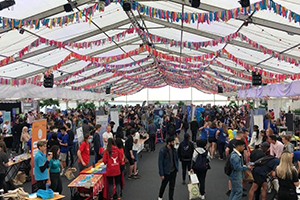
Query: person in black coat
(185, 155)
(194, 129)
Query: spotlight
(21, 31)
(195, 3)
(126, 6)
(245, 3)
(61, 73)
(69, 6)
(6, 4)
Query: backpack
(227, 167)
(172, 129)
(200, 163)
(262, 161)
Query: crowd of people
(218, 132)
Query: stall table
(15, 164)
(56, 197)
(80, 181)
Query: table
(80, 181)
(15, 164)
(56, 197)
(100, 168)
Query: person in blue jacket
(221, 136)
(203, 131)
(212, 138)
(168, 167)
(236, 176)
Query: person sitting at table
(83, 153)
(112, 158)
(24, 138)
(41, 165)
(54, 168)
(3, 163)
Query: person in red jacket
(113, 159)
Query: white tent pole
(126, 100)
(214, 99)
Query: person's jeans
(136, 157)
(152, 142)
(97, 156)
(194, 135)
(237, 189)
(221, 149)
(171, 179)
(118, 182)
(201, 177)
(71, 156)
(186, 165)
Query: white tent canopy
(268, 29)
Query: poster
(79, 135)
(6, 117)
(103, 122)
(39, 132)
(198, 114)
(114, 116)
(98, 114)
(158, 117)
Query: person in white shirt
(30, 117)
(256, 138)
(135, 148)
(106, 135)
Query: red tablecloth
(96, 171)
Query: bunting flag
(171, 16)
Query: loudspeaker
(107, 91)
(289, 118)
(126, 6)
(220, 89)
(48, 81)
(256, 79)
(195, 3)
(245, 3)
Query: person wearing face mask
(168, 168)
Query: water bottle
(94, 164)
(47, 186)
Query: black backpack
(262, 161)
(227, 167)
(201, 162)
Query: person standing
(17, 132)
(41, 165)
(63, 150)
(185, 154)
(201, 171)
(106, 135)
(83, 153)
(238, 168)
(152, 134)
(3, 163)
(287, 177)
(135, 148)
(168, 168)
(70, 144)
(98, 142)
(194, 129)
(54, 168)
(130, 157)
(113, 159)
(221, 136)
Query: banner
(158, 117)
(38, 133)
(114, 116)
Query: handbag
(193, 191)
(248, 177)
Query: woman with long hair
(287, 177)
(185, 155)
(3, 163)
(113, 159)
(221, 135)
(24, 138)
(120, 133)
(54, 169)
(212, 138)
(256, 138)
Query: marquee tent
(154, 44)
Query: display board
(39, 133)
(114, 116)
(259, 121)
(79, 135)
(103, 122)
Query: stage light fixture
(21, 31)
(245, 3)
(70, 6)
(195, 3)
(6, 4)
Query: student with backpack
(185, 154)
(200, 164)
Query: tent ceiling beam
(74, 39)
(256, 20)
(48, 13)
(206, 34)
